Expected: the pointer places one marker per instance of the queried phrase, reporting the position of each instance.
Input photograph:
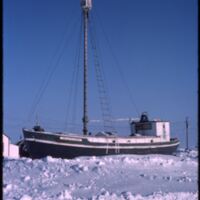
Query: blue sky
(148, 51)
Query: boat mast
(86, 6)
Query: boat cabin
(145, 127)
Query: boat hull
(40, 150)
(37, 145)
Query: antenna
(186, 125)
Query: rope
(51, 70)
(119, 68)
(100, 77)
(74, 83)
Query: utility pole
(186, 126)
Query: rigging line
(49, 76)
(50, 68)
(105, 107)
(74, 78)
(77, 76)
(100, 55)
(103, 101)
(74, 108)
(50, 73)
(70, 98)
(101, 62)
(79, 47)
(119, 68)
(102, 74)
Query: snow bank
(155, 196)
(123, 177)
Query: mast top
(86, 4)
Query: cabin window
(164, 131)
(113, 141)
(163, 126)
(129, 141)
(143, 126)
(151, 141)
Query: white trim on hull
(136, 146)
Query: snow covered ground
(124, 177)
